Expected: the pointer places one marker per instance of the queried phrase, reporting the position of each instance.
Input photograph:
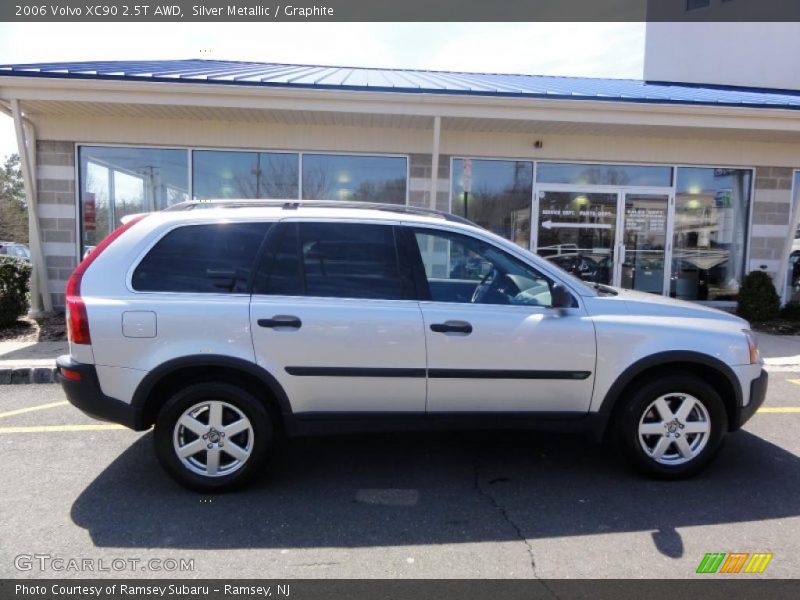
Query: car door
(494, 342)
(336, 321)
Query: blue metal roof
(223, 72)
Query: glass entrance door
(641, 255)
(613, 237)
(578, 232)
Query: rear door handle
(452, 327)
(288, 321)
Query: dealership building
(671, 188)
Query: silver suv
(229, 324)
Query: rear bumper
(758, 392)
(84, 392)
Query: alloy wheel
(213, 438)
(674, 429)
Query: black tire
(626, 425)
(264, 436)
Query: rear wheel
(672, 427)
(213, 437)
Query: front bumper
(85, 394)
(758, 392)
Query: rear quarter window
(216, 258)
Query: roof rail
(295, 204)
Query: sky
(613, 50)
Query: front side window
(463, 269)
(333, 260)
(495, 194)
(227, 174)
(355, 178)
(214, 258)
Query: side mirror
(561, 298)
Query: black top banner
(399, 10)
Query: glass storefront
(355, 178)
(605, 223)
(495, 194)
(118, 181)
(711, 214)
(611, 224)
(226, 174)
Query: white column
(40, 294)
(437, 129)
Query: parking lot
(456, 505)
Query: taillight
(77, 319)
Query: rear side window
(214, 258)
(339, 260)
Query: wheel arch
(711, 369)
(160, 383)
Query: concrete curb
(22, 375)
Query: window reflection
(115, 182)
(598, 174)
(495, 194)
(354, 178)
(711, 208)
(225, 174)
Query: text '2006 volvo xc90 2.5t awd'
(228, 324)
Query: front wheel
(213, 437)
(672, 427)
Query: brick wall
(55, 173)
(770, 225)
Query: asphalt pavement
(454, 505)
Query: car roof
(240, 209)
(285, 205)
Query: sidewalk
(780, 352)
(34, 362)
(30, 362)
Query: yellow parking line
(796, 381)
(60, 428)
(779, 409)
(21, 411)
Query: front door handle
(452, 327)
(288, 321)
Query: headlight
(752, 345)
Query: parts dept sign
(583, 218)
(642, 219)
